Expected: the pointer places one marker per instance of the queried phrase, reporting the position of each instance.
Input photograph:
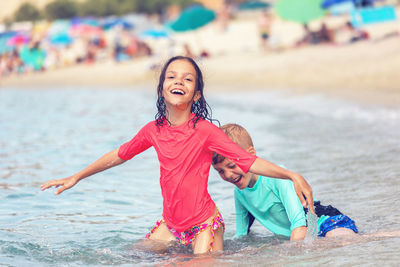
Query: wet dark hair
(200, 108)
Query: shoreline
(364, 72)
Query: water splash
(312, 228)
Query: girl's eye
(232, 166)
(220, 171)
(187, 79)
(170, 77)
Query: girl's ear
(251, 150)
(197, 96)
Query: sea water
(348, 152)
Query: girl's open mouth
(177, 92)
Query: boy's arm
(303, 189)
(242, 218)
(105, 162)
(293, 208)
(298, 233)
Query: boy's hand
(304, 192)
(66, 183)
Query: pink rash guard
(185, 155)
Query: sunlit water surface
(347, 152)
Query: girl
(184, 139)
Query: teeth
(237, 179)
(177, 91)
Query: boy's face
(230, 172)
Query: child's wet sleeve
(291, 202)
(242, 217)
(220, 143)
(136, 145)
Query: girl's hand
(107, 161)
(66, 183)
(303, 191)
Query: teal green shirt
(272, 202)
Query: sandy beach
(367, 71)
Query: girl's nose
(178, 81)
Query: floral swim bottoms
(188, 236)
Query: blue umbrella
(4, 47)
(117, 22)
(58, 27)
(61, 39)
(85, 20)
(7, 34)
(154, 33)
(329, 3)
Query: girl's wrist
(295, 177)
(76, 178)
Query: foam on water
(315, 105)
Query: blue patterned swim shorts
(337, 221)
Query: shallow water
(348, 153)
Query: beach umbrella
(58, 27)
(4, 47)
(251, 5)
(301, 11)
(18, 39)
(154, 34)
(60, 39)
(33, 57)
(85, 20)
(7, 35)
(338, 7)
(85, 29)
(117, 22)
(192, 19)
(329, 3)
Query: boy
(273, 202)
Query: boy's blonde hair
(237, 134)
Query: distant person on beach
(273, 202)
(322, 36)
(184, 138)
(224, 16)
(356, 34)
(348, 34)
(325, 35)
(309, 37)
(188, 51)
(264, 29)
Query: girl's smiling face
(179, 87)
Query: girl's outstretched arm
(303, 189)
(107, 161)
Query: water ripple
(348, 153)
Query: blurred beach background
(316, 83)
(360, 63)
